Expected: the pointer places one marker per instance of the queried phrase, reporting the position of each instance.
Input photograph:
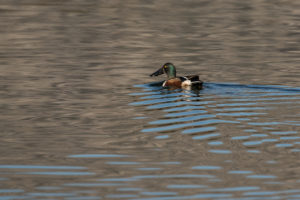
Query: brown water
(80, 119)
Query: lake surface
(81, 119)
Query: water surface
(80, 117)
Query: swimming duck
(178, 82)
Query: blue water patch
(283, 132)
(207, 167)
(262, 176)
(268, 99)
(98, 156)
(242, 137)
(240, 109)
(130, 189)
(122, 163)
(239, 114)
(268, 128)
(186, 186)
(158, 193)
(260, 193)
(11, 191)
(160, 137)
(268, 193)
(118, 179)
(243, 119)
(144, 93)
(52, 194)
(269, 140)
(253, 143)
(94, 184)
(271, 162)
(206, 136)
(179, 103)
(174, 176)
(60, 173)
(140, 118)
(259, 142)
(259, 135)
(220, 151)
(250, 130)
(293, 123)
(184, 108)
(263, 123)
(14, 197)
(235, 189)
(290, 138)
(39, 167)
(235, 104)
(215, 143)
(149, 168)
(178, 126)
(199, 130)
(237, 88)
(159, 96)
(120, 196)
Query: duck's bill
(158, 72)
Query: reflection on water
(78, 122)
(245, 107)
(247, 111)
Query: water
(80, 117)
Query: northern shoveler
(178, 82)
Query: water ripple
(221, 104)
(226, 121)
(179, 126)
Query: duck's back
(192, 78)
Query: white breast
(186, 83)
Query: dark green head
(168, 69)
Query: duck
(177, 82)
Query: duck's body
(183, 81)
(177, 82)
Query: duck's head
(168, 69)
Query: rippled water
(80, 118)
